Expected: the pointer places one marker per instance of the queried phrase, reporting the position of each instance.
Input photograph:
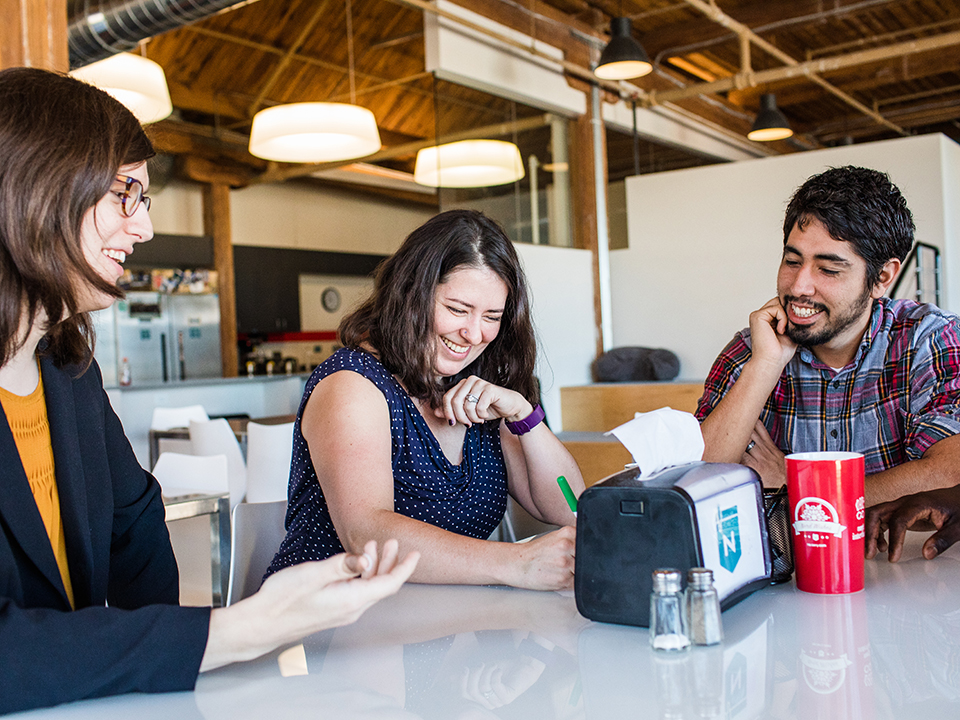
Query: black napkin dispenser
(693, 515)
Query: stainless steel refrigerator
(161, 337)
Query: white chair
(257, 532)
(216, 437)
(269, 448)
(180, 474)
(167, 418)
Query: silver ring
(750, 446)
(471, 398)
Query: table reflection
(892, 651)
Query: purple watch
(522, 427)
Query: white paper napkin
(661, 439)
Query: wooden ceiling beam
(288, 56)
(810, 69)
(702, 32)
(857, 127)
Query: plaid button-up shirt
(898, 396)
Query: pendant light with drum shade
(623, 58)
(469, 163)
(136, 81)
(312, 132)
(770, 124)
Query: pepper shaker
(667, 626)
(703, 607)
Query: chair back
(167, 418)
(269, 448)
(180, 474)
(216, 437)
(257, 532)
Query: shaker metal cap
(666, 580)
(700, 578)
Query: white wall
(561, 283)
(294, 215)
(705, 243)
(177, 209)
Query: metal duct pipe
(97, 29)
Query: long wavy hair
(397, 320)
(61, 144)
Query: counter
(486, 652)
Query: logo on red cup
(816, 515)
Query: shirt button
(833, 434)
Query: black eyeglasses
(131, 196)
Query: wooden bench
(591, 410)
(603, 406)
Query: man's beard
(808, 336)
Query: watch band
(522, 427)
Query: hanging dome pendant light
(770, 124)
(137, 82)
(469, 163)
(623, 58)
(312, 132)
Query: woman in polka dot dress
(428, 417)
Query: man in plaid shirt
(832, 364)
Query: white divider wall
(705, 243)
(561, 283)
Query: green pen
(568, 493)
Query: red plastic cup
(825, 491)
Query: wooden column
(584, 203)
(216, 223)
(33, 33)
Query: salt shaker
(667, 626)
(702, 607)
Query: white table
(892, 651)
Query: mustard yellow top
(27, 416)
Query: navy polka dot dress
(469, 499)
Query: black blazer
(119, 555)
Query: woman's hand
(305, 599)
(473, 400)
(546, 562)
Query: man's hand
(931, 510)
(765, 457)
(769, 344)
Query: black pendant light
(770, 123)
(623, 57)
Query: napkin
(661, 439)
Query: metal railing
(923, 283)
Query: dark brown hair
(397, 319)
(61, 144)
(856, 205)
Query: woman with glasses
(429, 417)
(88, 580)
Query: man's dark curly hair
(859, 206)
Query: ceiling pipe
(709, 9)
(97, 29)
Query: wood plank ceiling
(222, 69)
